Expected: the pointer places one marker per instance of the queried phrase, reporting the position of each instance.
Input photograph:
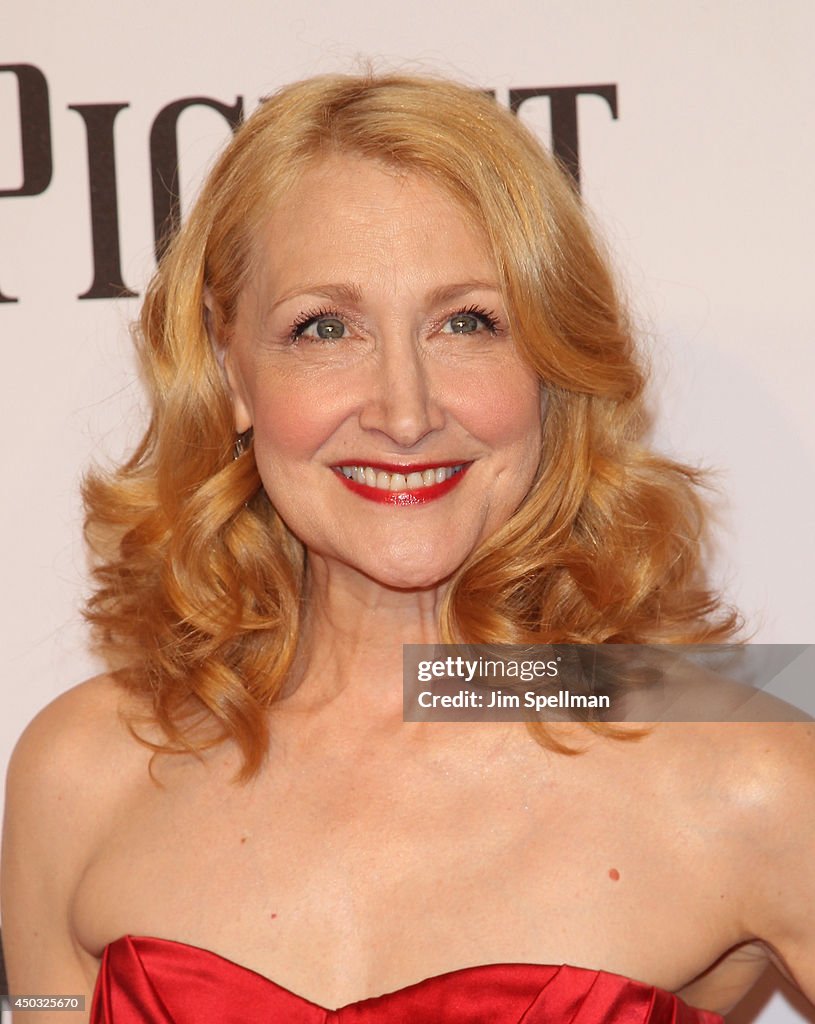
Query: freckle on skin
(243, 839)
(614, 874)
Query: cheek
(292, 418)
(504, 411)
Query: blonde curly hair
(198, 581)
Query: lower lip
(420, 496)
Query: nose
(401, 404)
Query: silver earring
(242, 442)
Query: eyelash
(488, 317)
(305, 320)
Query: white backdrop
(702, 186)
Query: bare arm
(782, 907)
(55, 794)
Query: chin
(409, 568)
(399, 580)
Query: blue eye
(463, 323)
(324, 326)
(469, 321)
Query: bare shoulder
(768, 793)
(742, 794)
(70, 766)
(76, 748)
(758, 777)
(769, 767)
(69, 769)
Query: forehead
(354, 218)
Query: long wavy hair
(199, 582)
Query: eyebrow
(454, 291)
(351, 294)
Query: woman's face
(395, 425)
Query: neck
(353, 634)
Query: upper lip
(402, 467)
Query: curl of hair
(199, 582)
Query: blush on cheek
(290, 423)
(505, 406)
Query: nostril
(404, 412)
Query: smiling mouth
(402, 485)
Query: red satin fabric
(158, 981)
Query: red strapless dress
(159, 981)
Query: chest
(402, 867)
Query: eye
(468, 321)
(463, 323)
(323, 325)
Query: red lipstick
(417, 496)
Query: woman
(395, 400)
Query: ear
(225, 356)
(241, 405)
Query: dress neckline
(431, 979)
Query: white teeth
(383, 481)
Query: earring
(242, 442)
